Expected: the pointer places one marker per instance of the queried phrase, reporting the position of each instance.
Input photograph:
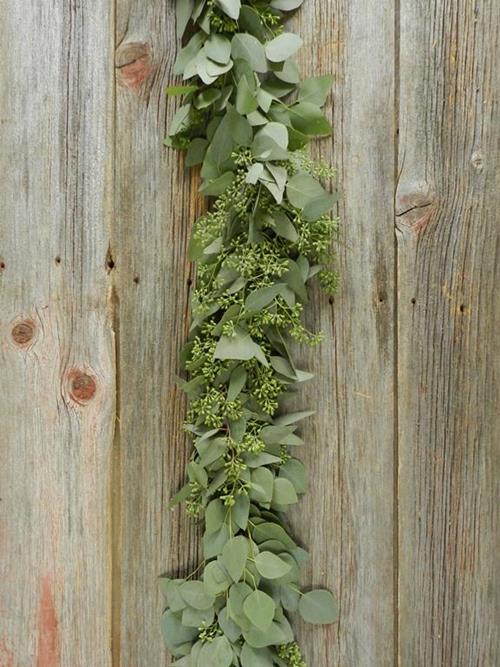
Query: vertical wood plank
(447, 215)
(346, 519)
(155, 207)
(56, 340)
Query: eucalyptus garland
(246, 118)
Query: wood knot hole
(477, 161)
(23, 332)
(82, 386)
(134, 63)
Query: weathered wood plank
(346, 520)
(56, 345)
(447, 231)
(155, 206)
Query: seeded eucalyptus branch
(246, 118)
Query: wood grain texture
(447, 230)
(349, 442)
(56, 340)
(155, 206)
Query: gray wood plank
(346, 519)
(156, 204)
(56, 340)
(447, 233)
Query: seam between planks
(397, 37)
(115, 511)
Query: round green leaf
(259, 609)
(230, 7)
(215, 579)
(195, 595)
(318, 607)
(216, 653)
(255, 657)
(303, 188)
(282, 47)
(234, 556)
(174, 633)
(262, 481)
(286, 5)
(248, 48)
(271, 566)
(284, 492)
(218, 48)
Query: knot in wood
(477, 161)
(134, 63)
(415, 206)
(23, 332)
(82, 386)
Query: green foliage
(245, 118)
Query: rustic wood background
(402, 517)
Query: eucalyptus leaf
(218, 48)
(318, 607)
(271, 142)
(262, 485)
(215, 579)
(196, 152)
(234, 556)
(315, 90)
(309, 119)
(284, 227)
(174, 91)
(240, 511)
(246, 100)
(286, 5)
(237, 382)
(248, 48)
(230, 7)
(189, 52)
(216, 653)
(239, 346)
(259, 609)
(294, 470)
(254, 173)
(183, 11)
(284, 492)
(197, 617)
(262, 297)
(271, 566)
(282, 47)
(302, 188)
(195, 595)
(255, 657)
(175, 633)
(217, 185)
(206, 98)
(213, 543)
(228, 626)
(214, 516)
(180, 119)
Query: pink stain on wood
(134, 74)
(133, 61)
(47, 654)
(6, 655)
(420, 225)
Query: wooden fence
(402, 516)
